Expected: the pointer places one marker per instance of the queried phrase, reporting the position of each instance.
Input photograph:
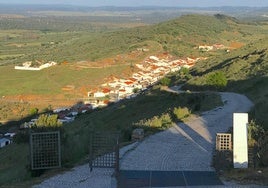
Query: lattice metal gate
(45, 150)
(104, 150)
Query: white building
(99, 94)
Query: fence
(104, 150)
(45, 150)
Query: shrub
(163, 121)
(255, 132)
(155, 122)
(135, 90)
(46, 120)
(165, 81)
(181, 113)
(184, 74)
(33, 111)
(263, 150)
(258, 136)
(216, 80)
(166, 120)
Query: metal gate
(45, 150)
(104, 150)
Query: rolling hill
(244, 63)
(179, 37)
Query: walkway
(183, 149)
(134, 179)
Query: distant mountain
(171, 12)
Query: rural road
(185, 147)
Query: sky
(133, 3)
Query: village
(150, 71)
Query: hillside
(244, 62)
(178, 36)
(104, 55)
(246, 70)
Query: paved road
(185, 147)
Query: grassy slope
(50, 81)
(177, 36)
(119, 117)
(247, 72)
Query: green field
(51, 81)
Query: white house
(154, 58)
(205, 48)
(99, 94)
(4, 142)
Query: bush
(163, 121)
(154, 122)
(216, 80)
(33, 111)
(181, 113)
(166, 120)
(255, 132)
(165, 81)
(46, 120)
(258, 136)
(263, 150)
(184, 74)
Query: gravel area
(187, 146)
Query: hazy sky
(170, 3)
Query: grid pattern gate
(223, 142)
(104, 150)
(45, 150)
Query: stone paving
(187, 146)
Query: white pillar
(240, 140)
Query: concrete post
(240, 140)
